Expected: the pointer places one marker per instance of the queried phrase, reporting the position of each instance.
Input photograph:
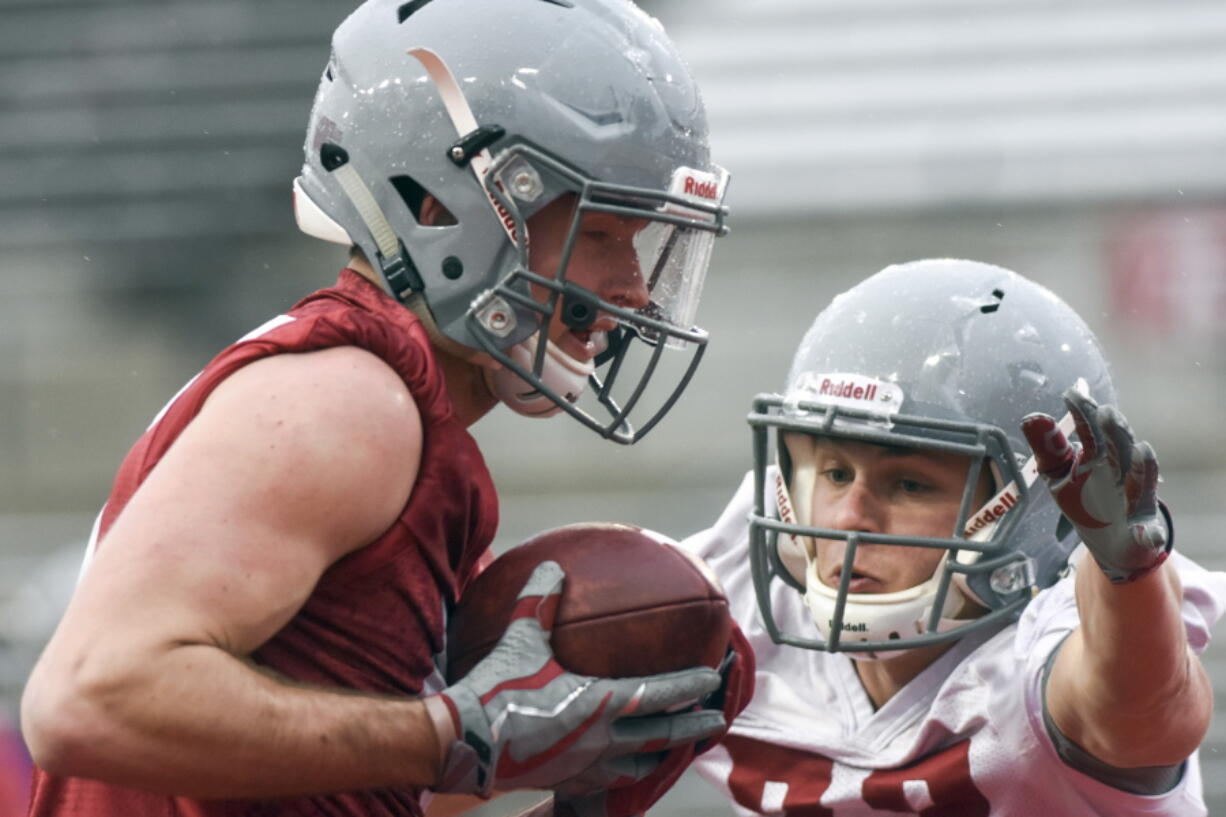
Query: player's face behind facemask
(875, 564)
(603, 260)
(853, 486)
(579, 260)
(614, 289)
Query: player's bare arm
(293, 462)
(1125, 686)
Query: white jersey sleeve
(966, 737)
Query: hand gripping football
(633, 603)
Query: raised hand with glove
(1106, 485)
(1122, 712)
(519, 720)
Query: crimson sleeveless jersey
(964, 738)
(376, 619)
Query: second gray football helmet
(944, 355)
(496, 109)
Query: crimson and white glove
(522, 721)
(1106, 485)
(635, 799)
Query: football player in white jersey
(955, 609)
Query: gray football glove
(523, 721)
(1106, 485)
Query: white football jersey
(965, 738)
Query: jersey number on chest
(773, 779)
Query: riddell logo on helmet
(695, 185)
(508, 221)
(992, 512)
(783, 502)
(847, 389)
(704, 189)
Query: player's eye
(913, 486)
(607, 239)
(838, 475)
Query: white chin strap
(880, 616)
(561, 372)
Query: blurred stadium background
(147, 146)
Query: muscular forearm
(196, 721)
(1133, 635)
(1125, 686)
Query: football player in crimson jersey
(962, 593)
(258, 625)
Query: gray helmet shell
(965, 350)
(595, 84)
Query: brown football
(633, 603)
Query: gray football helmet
(496, 109)
(945, 355)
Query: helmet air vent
(566, 4)
(407, 10)
(414, 195)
